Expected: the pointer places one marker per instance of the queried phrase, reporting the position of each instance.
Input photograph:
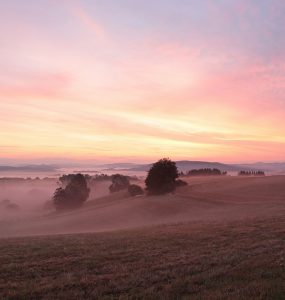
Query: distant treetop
(251, 173)
(206, 172)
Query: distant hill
(118, 166)
(183, 166)
(190, 165)
(186, 165)
(266, 167)
(29, 168)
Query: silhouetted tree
(66, 178)
(161, 177)
(119, 182)
(73, 195)
(251, 173)
(135, 190)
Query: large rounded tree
(73, 195)
(161, 177)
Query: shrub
(119, 182)
(135, 190)
(161, 177)
(73, 195)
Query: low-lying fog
(26, 207)
(22, 198)
(27, 195)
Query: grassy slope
(235, 260)
(206, 199)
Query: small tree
(119, 182)
(135, 190)
(161, 177)
(73, 195)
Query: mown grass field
(234, 260)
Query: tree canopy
(161, 177)
(73, 195)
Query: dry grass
(234, 260)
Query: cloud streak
(86, 20)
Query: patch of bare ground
(234, 260)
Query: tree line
(251, 173)
(206, 172)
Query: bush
(161, 177)
(135, 190)
(73, 195)
(119, 182)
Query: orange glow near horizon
(82, 85)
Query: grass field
(236, 260)
(218, 238)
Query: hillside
(29, 168)
(186, 165)
(205, 200)
(235, 260)
(218, 238)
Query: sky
(137, 80)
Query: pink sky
(140, 80)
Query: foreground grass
(231, 261)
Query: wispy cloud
(82, 14)
(35, 84)
(199, 79)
